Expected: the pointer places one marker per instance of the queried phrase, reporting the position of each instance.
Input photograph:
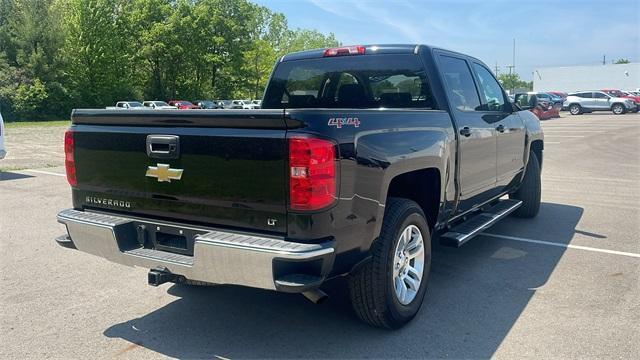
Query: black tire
(618, 109)
(530, 190)
(575, 109)
(371, 286)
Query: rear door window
(363, 81)
(461, 89)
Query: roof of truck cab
(369, 50)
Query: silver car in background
(588, 101)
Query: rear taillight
(346, 50)
(69, 158)
(312, 173)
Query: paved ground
(573, 294)
(32, 147)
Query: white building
(590, 77)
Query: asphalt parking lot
(563, 285)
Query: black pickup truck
(360, 157)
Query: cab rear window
(369, 81)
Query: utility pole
(496, 69)
(604, 59)
(510, 68)
(513, 62)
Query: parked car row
(186, 105)
(547, 104)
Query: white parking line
(43, 172)
(547, 131)
(567, 246)
(588, 178)
(567, 136)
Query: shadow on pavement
(6, 175)
(475, 295)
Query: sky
(547, 33)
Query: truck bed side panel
(371, 155)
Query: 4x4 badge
(164, 173)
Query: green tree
(28, 100)
(30, 39)
(622, 61)
(303, 39)
(56, 55)
(98, 52)
(513, 82)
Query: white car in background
(240, 104)
(127, 105)
(588, 101)
(3, 152)
(158, 105)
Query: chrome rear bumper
(218, 256)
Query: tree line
(56, 55)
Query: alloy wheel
(408, 264)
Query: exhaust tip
(316, 296)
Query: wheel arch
(424, 186)
(537, 147)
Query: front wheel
(529, 191)
(388, 290)
(618, 109)
(575, 109)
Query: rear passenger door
(510, 131)
(601, 101)
(476, 137)
(587, 101)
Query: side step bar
(461, 233)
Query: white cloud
(375, 12)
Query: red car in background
(538, 103)
(621, 94)
(183, 104)
(561, 94)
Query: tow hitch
(158, 277)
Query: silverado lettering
(426, 147)
(109, 202)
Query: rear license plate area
(171, 240)
(167, 238)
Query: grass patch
(22, 167)
(19, 124)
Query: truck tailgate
(216, 168)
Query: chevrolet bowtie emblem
(164, 173)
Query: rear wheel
(530, 190)
(388, 290)
(618, 109)
(575, 109)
